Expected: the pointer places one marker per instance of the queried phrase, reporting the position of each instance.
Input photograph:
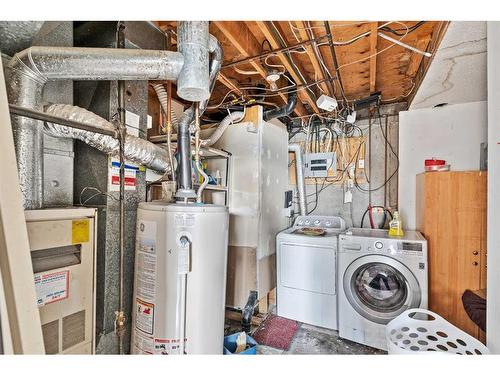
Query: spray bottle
(396, 225)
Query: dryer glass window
(380, 287)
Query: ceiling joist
(325, 52)
(373, 56)
(272, 34)
(246, 44)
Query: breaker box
(319, 163)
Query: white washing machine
(379, 277)
(307, 270)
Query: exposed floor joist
(306, 34)
(248, 47)
(305, 95)
(373, 54)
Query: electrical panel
(318, 164)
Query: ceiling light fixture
(272, 77)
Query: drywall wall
(493, 246)
(453, 133)
(458, 71)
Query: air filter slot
(56, 257)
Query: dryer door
(380, 288)
(308, 267)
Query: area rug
(276, 332)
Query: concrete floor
(311, 340)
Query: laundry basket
(419, 331)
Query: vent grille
(51, 337)
(73, 328)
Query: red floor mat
(277, 332)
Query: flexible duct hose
(228, 120)
(163, 99)
(137, 150)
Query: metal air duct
(29, 70)
(184, 183)
(299, 168)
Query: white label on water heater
(146, 261)
(184, 220)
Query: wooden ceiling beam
(373, 54)
(307, 34)
(329, 30)
(247, 45)
(305, 95)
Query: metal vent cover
(73, 329)
(50, 333)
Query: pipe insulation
(136, 149)
(299, 170)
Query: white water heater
(180, 278)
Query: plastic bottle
(396, 225)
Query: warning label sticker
(143, 344)
(80, 231)
(114, 175)
(168, 346)
(144, 316)
(51, 287)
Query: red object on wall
(433, 161)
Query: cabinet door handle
(475, 264)
(475, 252)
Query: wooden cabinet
(451, 214)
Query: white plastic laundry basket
(419, 331)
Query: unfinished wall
(331, 199)
(453, 133)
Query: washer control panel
(378, 242)
(324, 222)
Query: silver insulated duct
(184, 183)
(299, 168)
(136, 149)
(29, 70)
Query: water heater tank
(180, 278)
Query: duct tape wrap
(137, 150)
